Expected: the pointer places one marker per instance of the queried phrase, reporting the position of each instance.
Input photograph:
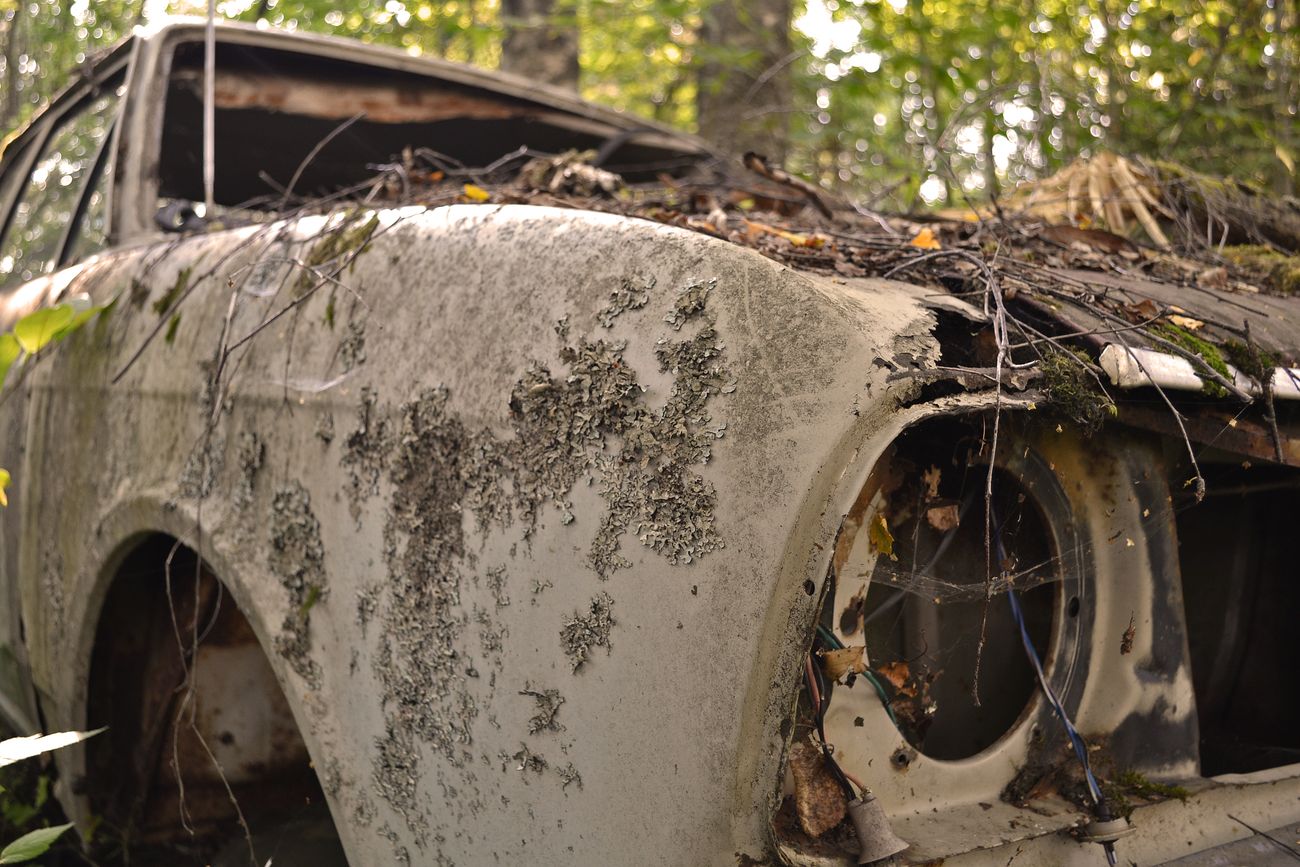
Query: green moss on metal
(170, 297)
(1072, 392)
(1278, 272)
(1208, 352)
(1121, 791)
(348, 239)
(1258, 365)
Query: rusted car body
(506, 529)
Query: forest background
(894, 104)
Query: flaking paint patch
(589, 421)
(496, 578)
(297, 559)
(524, 761)
(352, 348)
(569, 775)
(583, 631)
(548, 709)
(396, 775)
(325, 427)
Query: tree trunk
(743, 97)
(1284, 120)
(9, 86)
(538, 47)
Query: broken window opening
(273, 107)
(150, 775)
(1241, 593)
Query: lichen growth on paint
(352, 348)
(690, 302)
(249, 459)
(365, 452)
(628, 296)
(297, 559)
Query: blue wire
(1080, 748)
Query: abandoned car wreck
(512, 480)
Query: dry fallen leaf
(926, 240)
(818, 798)
(896, 673)
(943, 518)
(931, 478)
(795, 238)
(845, 661)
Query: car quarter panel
(528, 507)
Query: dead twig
(313, 153)
(757, 164)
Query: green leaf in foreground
(5, 478)
(35, 330)
(9, 350)
(32, 845)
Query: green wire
(829, 637)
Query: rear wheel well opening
(199, 731)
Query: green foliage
(38, 329)
(31, 845)
(10, 349)
(44, 326)
(19, 813)
(891, 99)
(30, 335)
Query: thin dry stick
(313, 153)
(1266, 386)
(1198, 479)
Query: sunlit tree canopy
(895, 102)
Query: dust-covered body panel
(513, 526)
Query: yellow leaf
(926, 240)
(1285, 156)
(4, 483)
(476, 193)
(880, 537)
(795, 238)
(1186, 322)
